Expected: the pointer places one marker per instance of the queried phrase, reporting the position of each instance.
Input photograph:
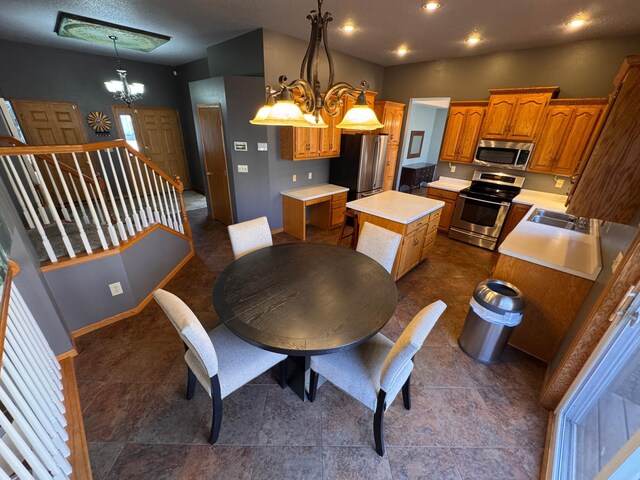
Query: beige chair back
(380, 244)
(249, 236)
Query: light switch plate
(240, 146)
(310, 175)
(243, 168)
(452, 168)
(559, 183)
(116, 289)
(294, 178)
(262, 147)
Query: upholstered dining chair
(374, 372)
(249, 236)
(379, 243)
(218, 359)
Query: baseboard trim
(68, 354)
(276, 231)
(128, 313)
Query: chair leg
(191, 383)
(356, 228)
(313, 385)
(283, 373)
(216, 418)
(406, 393)
(341, 237)
(378, 423)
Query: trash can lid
(499, 296)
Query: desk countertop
(396, 206)
(316, 191)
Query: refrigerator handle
(376, 149)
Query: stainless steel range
(482, 208)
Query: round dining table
(304, 299)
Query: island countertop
(396, 206)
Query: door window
(128, 131)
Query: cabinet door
(584, 121)
(390, 167)
(411, 250)
(516, 213)
(452, 134)
(397, 116)
(551, 138)
(329, 137)
(301, 143)
(470, 132)
(527, 113)
(499, 112)
(447, 215)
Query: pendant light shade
(285, 113)
(360, 117)
(263, 113)
(313, 123)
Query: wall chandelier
(121, 89)
(301, 102)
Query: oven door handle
(503, 204)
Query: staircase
(78, 200)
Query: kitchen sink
(560, 220)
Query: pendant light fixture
(291, 102)
(121, 89)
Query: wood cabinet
(449, 199)
(516, 113)
(348, 102)
(567, 129)
(608, 183)
(414, 175)
(462, 130)
(330, 137)
(391, 114)
(517, 212)
(418, 238)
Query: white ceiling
(382, 25)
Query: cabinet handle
(573, 179)
(415, 242)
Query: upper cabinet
(515, 114)
(461, 133)
(607, 186)
(391, 114)
(567, 129)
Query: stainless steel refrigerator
(360, 166)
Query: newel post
(183, 211)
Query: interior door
(158, 136)
(215, 160)
(50, 123)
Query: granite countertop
(396, 206)
(315, 191)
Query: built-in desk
(327, 206)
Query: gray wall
(30, 281)
(582, 69)
(82, 292)
(242, 55)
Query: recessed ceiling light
(430, 6)
(473, 39)
(348, 27)
(402, 51)
(576, 22)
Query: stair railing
(123, 193)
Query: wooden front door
(215, 162)
(159, 137)
(50, 123)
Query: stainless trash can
(496, 307)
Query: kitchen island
(415, 218)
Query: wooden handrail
(88, 147)
(12, 270)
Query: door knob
(209, 173)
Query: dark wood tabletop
(305, 299)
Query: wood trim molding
(12, 270)
(469, 103)
(277, 230)
(519, 91)
(547, 447)
(77, 443)
(578, 101)
(68, 354)
(128, 313)
(84, 257)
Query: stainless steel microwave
(512, 155)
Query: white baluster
(134, 213)
(114, 205)
(14, 462)
(155, 215)
(43, 236)
(18, 194)
(95, 200)
(116, 179)
(85, 218)
(166, 204)
(107, 218)
(163, 217)
(92, 210)
(34, 193)
(142, 215)
(63, 207)
(176, 202)
(72, 205)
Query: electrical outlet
(116, 289)
(262, 147)
(559, 183)
(295, 178)
(452, 168)
(310, 175)
(243, 168)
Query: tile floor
(468, 421)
